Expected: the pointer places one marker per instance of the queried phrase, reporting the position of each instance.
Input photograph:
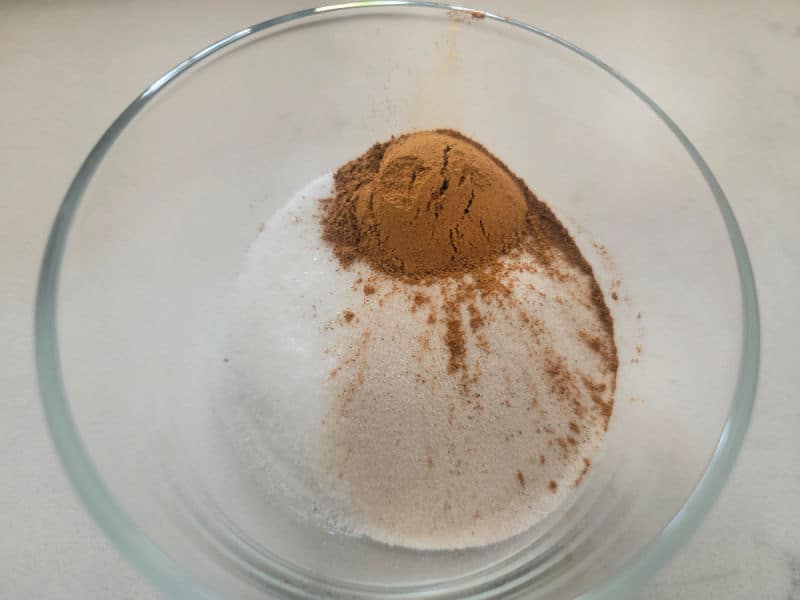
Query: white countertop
(727, 72)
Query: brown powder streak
(587, 462)
(605, 408)
(475, 318)
(454, 338)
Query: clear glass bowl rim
(171, 577)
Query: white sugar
(355, 419)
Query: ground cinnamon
(429, 203)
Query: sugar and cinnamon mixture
(425, 354)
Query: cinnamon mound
(426, 203)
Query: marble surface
(727, 72)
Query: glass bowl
(151, 234)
